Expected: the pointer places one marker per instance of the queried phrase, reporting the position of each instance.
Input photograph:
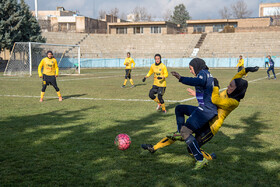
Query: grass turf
(72, 142)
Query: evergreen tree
(17, 24)
(180, 15)
(31, 31)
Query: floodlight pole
(30, 59)
(36, 9)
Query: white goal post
(26, 57)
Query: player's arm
(133, 63)
(56, 68)
(40, 68)
(150, 72)
(200, 80)
(223, 103)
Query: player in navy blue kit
(198, 116)
(271, 67)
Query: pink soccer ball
(122, 141)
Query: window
(198, 28)
(218, 27)
(155, 29)
(122, 30)
(138, 30)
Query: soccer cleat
(175, 136)
(148, 147)
(158, 107)
(123, 86)
(41, 100)
(132, 86)
(213, 155)
(200, 164)
(274, 78)
(60, 99)
(164, 111)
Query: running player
(127, 62)
(160, 74)
(50, 72)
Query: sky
(198, 9)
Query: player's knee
(44, 88)
(152, 96)
(178, 109)
(56, 88)
(186, 132)
(160, 98)
(125, 77)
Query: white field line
(76, 79)
(136, 100)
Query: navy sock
(193, 146)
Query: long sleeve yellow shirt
(240, 63)
(128, 62)
(49, 66)
(158, 71)
(225, 104)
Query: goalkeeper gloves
(251, 69)
(144, 79)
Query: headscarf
(198, 64)
(240, 90)
(160, 59)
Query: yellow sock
(156, 100)
(163, 143)
(125, 82)
(131, 81)
(58, 94)
(206, 155)
(42, 95)
(163, 106)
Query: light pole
(36, 9)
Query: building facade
(162, 27)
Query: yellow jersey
(225, 105)
(240, 63)
(128, 62)
(158, 71)
(49, 65)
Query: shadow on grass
(55, 148)
(74, 95)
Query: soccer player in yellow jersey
(240, 64)
(226, 101)
(50, 72)
(127, 62)
(160, 74)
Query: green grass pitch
(71, 143)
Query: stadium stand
(141, 46)
(253, 44)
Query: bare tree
(240, 9)
(167, 15)
(225, 13)
(102, 14)
(141, 14)
(114, 12)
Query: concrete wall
(254, 22)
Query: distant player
(160, 74)
(266, 62)
(271, 67)
(240, 64)
(50, 72)
(127, 62)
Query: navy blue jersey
(203, 83)
(271, 62)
